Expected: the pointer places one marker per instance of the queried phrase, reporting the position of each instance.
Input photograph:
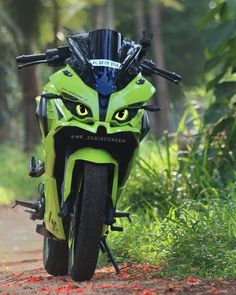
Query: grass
(195, 239)
(183, 199)
(14, 175)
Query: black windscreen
(102, 57)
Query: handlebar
(56, 57)
(149, 68)
(53, 57)
(30, 58)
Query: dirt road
(21, 270)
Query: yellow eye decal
(81, 110)
(122, 115)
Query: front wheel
(87, 222)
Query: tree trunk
(55, 21)
(161, 119)
(4, 115)
(139, 19)
(109, 15)
(98, 16)
(103, 15)
(30, 91)
(4, 84)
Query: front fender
(88, 154)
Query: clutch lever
(29, 64)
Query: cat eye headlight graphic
(122, 115)
(81, 110)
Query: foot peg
(36, 209)
(122, 214)
(36, 168)
(119, 214)
(116, 228)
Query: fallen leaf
(135, 286)
(214, 291)
(106, 287)
(34, 279)
(192, 280)
(149, 292)
(98, 276)
(122, 287)
(146, 267)
(44, 289)
(67, 291)
(123, 275)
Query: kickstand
(109, 254)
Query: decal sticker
(98, 138)
(105, 63)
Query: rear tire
(88, 229)
(55, 257)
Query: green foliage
(183, 42)
(193, 239)
(219, 36)
(197, 173)
(203, 239)
(221, 26)
(15, 182)
(174, 4)
(220, 115)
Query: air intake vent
(101, 130)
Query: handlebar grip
(30, 58)
(171, 75)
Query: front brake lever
(148, 108)
(151, 108)
(150, 68)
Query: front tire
(88, 229)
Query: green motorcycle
(92, 116)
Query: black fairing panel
(145, 126)
(69, 139)
(41, 114)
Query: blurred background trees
(26, 16)
(33, 26)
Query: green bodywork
(74, 89)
